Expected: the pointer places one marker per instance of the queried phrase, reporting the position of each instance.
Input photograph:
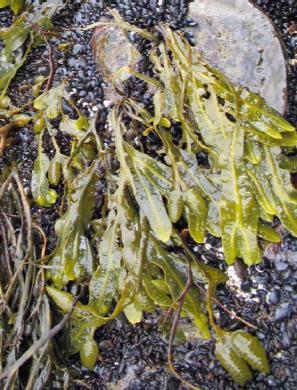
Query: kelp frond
(235, 197)
(244, 185)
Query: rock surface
(237, 38)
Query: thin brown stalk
(41, 271)
(44, 245)
(27, 216)
(175, 322)
(5, 249)
(234, 315)
(192, 257)
(52, 66)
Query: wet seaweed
(131, 256)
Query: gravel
(134, 357)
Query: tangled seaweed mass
(130, 252)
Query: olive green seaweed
(20, 38)
(235, 196)
(15, 5)
(247, 176)
(127, 215)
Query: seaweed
(130, 254)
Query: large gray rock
(238, 39)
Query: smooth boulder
(238, 39)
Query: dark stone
(77, 49)
(283, 311)
(72, 62)
(281, 265)
(246, 285)
(172, 383)
(274, 297)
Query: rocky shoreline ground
(134, 357)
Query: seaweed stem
(50, 55)
(180, 302)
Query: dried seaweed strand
(40, 343)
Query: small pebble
(273, 297)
